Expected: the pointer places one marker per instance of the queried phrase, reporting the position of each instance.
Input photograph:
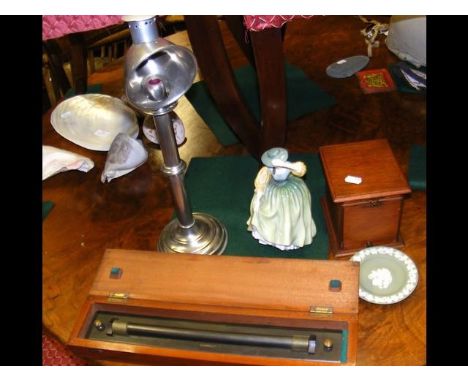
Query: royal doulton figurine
(280, 211)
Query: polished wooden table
(131, 211)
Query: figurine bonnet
(280, 211)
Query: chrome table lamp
(157, 74)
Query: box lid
(234, 281)
(373, 161)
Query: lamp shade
(157, 74)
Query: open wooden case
(181, 309)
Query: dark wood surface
(130, 212)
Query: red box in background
(375, 81)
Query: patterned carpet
(55, 353)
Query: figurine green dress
(281, 211)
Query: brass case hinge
(118, 296)
(321, 309)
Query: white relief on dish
(381, 278)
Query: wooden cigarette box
(182, 309)
(365, 214)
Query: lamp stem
(167, 141)
(174, 168)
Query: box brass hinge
(117, 296)
(321, 309)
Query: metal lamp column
(157, 74)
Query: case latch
(118, 296)
(321, 309)
(374, 203)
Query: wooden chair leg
(208, 46)
(235, 24)
(268, 51)
(92, 64)
(79, 65)
(59, 78)
(50, 89)
(267, 47)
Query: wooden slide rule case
(182, 309)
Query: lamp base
(208, 236)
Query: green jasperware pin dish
(387, 275)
